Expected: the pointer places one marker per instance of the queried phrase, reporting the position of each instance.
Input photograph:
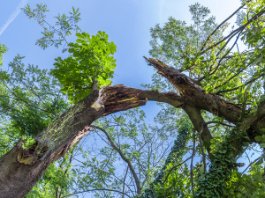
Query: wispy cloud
(13, 16)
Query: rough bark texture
(195, 96)
(21, 168)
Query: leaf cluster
(53, 34)
(29, 98)
(90, 63)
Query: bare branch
(220, 25)
(236, 31)
(124, 158)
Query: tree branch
(193, 95)
(235, 32)
(220, 25)
(124, 158)
(200, 126)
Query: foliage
(29, 98)
(250, 184)
(56, 181)
(126, 141)
(91, 63)
(205, 54)
(173, 178)
(2, 51)
(53, 34)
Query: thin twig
(124, 158)
(233, 33)
(220, 25)
(124, 181)
(257, 159)
(174, 167)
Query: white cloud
(13, 16)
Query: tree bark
(21, 167)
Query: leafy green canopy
(91, 63)
(29, 99)
(205, 58)
(56, 181)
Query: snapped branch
(193, 95)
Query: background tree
(205, 57)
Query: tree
(221, 118)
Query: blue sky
(126, 21)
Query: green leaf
(91, 60)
